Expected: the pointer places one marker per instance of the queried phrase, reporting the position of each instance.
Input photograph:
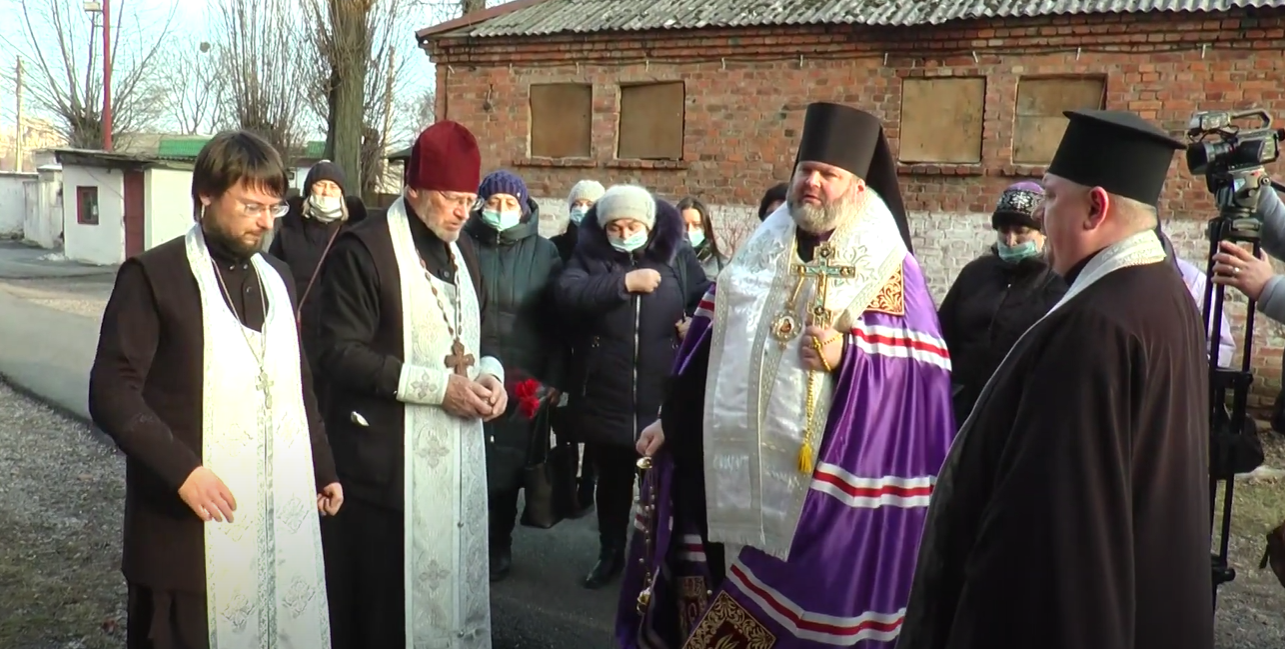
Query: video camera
(1231, 159)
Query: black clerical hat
(853, 140)
(1117, 151)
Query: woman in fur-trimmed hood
(628, 285)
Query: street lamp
(104, 8)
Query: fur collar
(670, 232)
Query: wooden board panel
(651, 121)
(1039, 123)
(561, 120)
(941, 120)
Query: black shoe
(584, 498)
(501, 564)
(611, 563)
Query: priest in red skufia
(400, 333)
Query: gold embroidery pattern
(692, 600)
(728, 625)
(892, 297)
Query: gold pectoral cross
(823, 268)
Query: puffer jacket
(625, 344)
(990, 305)
(518, 267)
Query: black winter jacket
(625, 344)
(518, 267)
(990, 305)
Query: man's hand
(466, 399)
(208, 497)
(682, 326)
(330, 499)
(651, 439)
(643, 280)
(498, 399)
(1239, 269)
(831, 349)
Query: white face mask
(577, 213)
(326, 208)
(697, 237)
(501, 220)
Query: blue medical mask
(577, 213)
(629, 243)
(501, 220)
(697, 237)
(1014, 254)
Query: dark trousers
(166, 620)
(617, 473)
(502, 512)
(364, 576)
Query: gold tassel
(805, 457)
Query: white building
(117, 205)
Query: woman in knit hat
(303, 238)
(518, 326)
(579, 201)
(997, 296)
(628, 284)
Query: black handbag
(549, 477)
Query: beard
(237, 245)
(819, 219)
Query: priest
(1073, 510)
(809, 413)
(400, 334)
(200, 381)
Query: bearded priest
(809, 413)
(400, 328)
(200, 381)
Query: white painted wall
(42, 225)
(102, 244)
(13, 203)
(300, 173)
(167, 200)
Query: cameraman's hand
(1239, 269)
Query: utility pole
(18, 141)
(388, 95)
(107, 75)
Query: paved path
(47, 347)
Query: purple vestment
(852, 558)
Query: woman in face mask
(700, 232)
(519, 326)
(303, 238)
(628, 285)
(579, 201)
(997, 296)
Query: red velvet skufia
(445, 158)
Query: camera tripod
(1234, 445)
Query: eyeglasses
(254, 210)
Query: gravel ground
(60, 585)
(60, 531)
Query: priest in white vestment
(200, 381)
(401, 320)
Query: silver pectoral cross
(264, 385)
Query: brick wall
(747, 90)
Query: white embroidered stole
(756, 389)
(1138, 250)
(447, 582)
(264, 573)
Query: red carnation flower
(527, 394)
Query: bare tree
(66, 80)
(195, 88)
(254, 43)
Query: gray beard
(819, 219)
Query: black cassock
(361, 357)
(145, 392)
(1073, 511)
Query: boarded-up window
(561, 119)
(1039, 124)
(651, 121)
(941, 120)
